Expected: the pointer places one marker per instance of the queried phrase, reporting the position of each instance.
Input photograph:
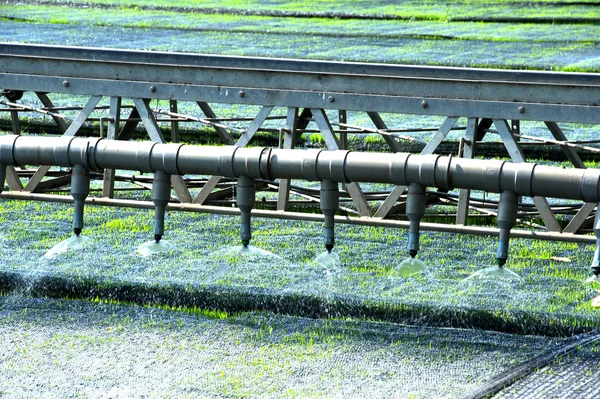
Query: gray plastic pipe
(246, 193)
(510, 179)
(313, 165)
(330, 202)
(80, 189)
(161, 194)
(507, 217)
(415, 209)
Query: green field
(206, 321)
(553, 36)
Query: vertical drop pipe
(245, 200)
(415, 209)
(80, 188)
(596, 261)
(330, 202)
(507, 217)
(161, 194)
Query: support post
(462, 210)
(108, 182)
(289, 141)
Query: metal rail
(476, 93)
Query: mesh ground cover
(572, 376)
(70, 348)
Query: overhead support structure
(310, 93)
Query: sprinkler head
(245, 243)
(77, 231)
(500, 262)
(413, 253)
(329, 247)
(157, 237)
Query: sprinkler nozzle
(413, 253)
(245, 243)
(77, 231)
(500, 262)
(329, 247)
(157, 237)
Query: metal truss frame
(490, 100)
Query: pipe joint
(226, 162)
(331, 165)
(523, 178)
(62, 151)
(422, 170)
(590, 185)
(165, 157)
(309, 165)
(442, 176)
(7, 147)
(247, 162)
(492, 175)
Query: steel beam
(518, 95)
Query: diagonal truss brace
(387, 205)
(356, 193)
(515, 153)
(586, 210)
(149, 121)
(71, 131)
(241, 142)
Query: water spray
(245, 200)
(161, 193)
(330, 202)
(507, 218)
(415, 209)
(80, 188)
